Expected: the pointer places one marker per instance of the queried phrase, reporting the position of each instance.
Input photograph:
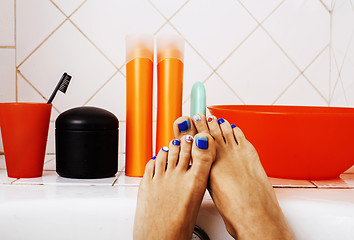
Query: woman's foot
(172, 190)
(240, 187)
(238, 184)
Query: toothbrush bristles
(65, 83)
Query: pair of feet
(207, 154)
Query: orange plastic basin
(296, 142)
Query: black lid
(86, 118)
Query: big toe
(203, 153)
(183, 126)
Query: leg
(171, 190)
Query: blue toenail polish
(233, 125)
(176, 142)
(221, 120)
(202, 142)
(184, 126)
(153, 158)
(165, 149)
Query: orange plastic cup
(24, 130)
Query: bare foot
(238, 184)
(170, 194)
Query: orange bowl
(296, 142)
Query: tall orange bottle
(139, 75)
(170, 53)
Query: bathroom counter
(52, 207)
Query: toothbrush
(61, 86)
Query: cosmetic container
(86, 143)
(139, 77)
(170, 53)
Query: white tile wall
(245, 51)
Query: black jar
(86, 142)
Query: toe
(227, 131)
(183, 126)
(203, 153)
(185, 152)
(160, 162)
(240, 137)
(215, 130)
(173, 154)
(200, 123)
(149, 170)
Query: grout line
(237, 47)
(316, 57)
(55, 5)
(285, 53)
(204, 81)
(286, 89)
(187, 42)
(242, 42)
(19, 72)
(7, 47)
(273, 11)
(24, 60)
(233, 91)
(78, 8)
(159, 29)
(100, 88)
(192, 46)
(338, 76)
(93, 44)
(344, 58)
(309, 65)
(343, 88)
(213, 70)
(315, 88)
(248, 11)
(325, 6)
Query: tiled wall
(294, 52)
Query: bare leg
(170, 194)
(238, 184)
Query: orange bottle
(139, 75)
(170, 53)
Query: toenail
(221, 120)
(233, 125)
(210, 119)
(197, 118)
(153, 158)
(189, 138)
(184, 126)
(202, 142)
(176, 142)
(165, 149)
